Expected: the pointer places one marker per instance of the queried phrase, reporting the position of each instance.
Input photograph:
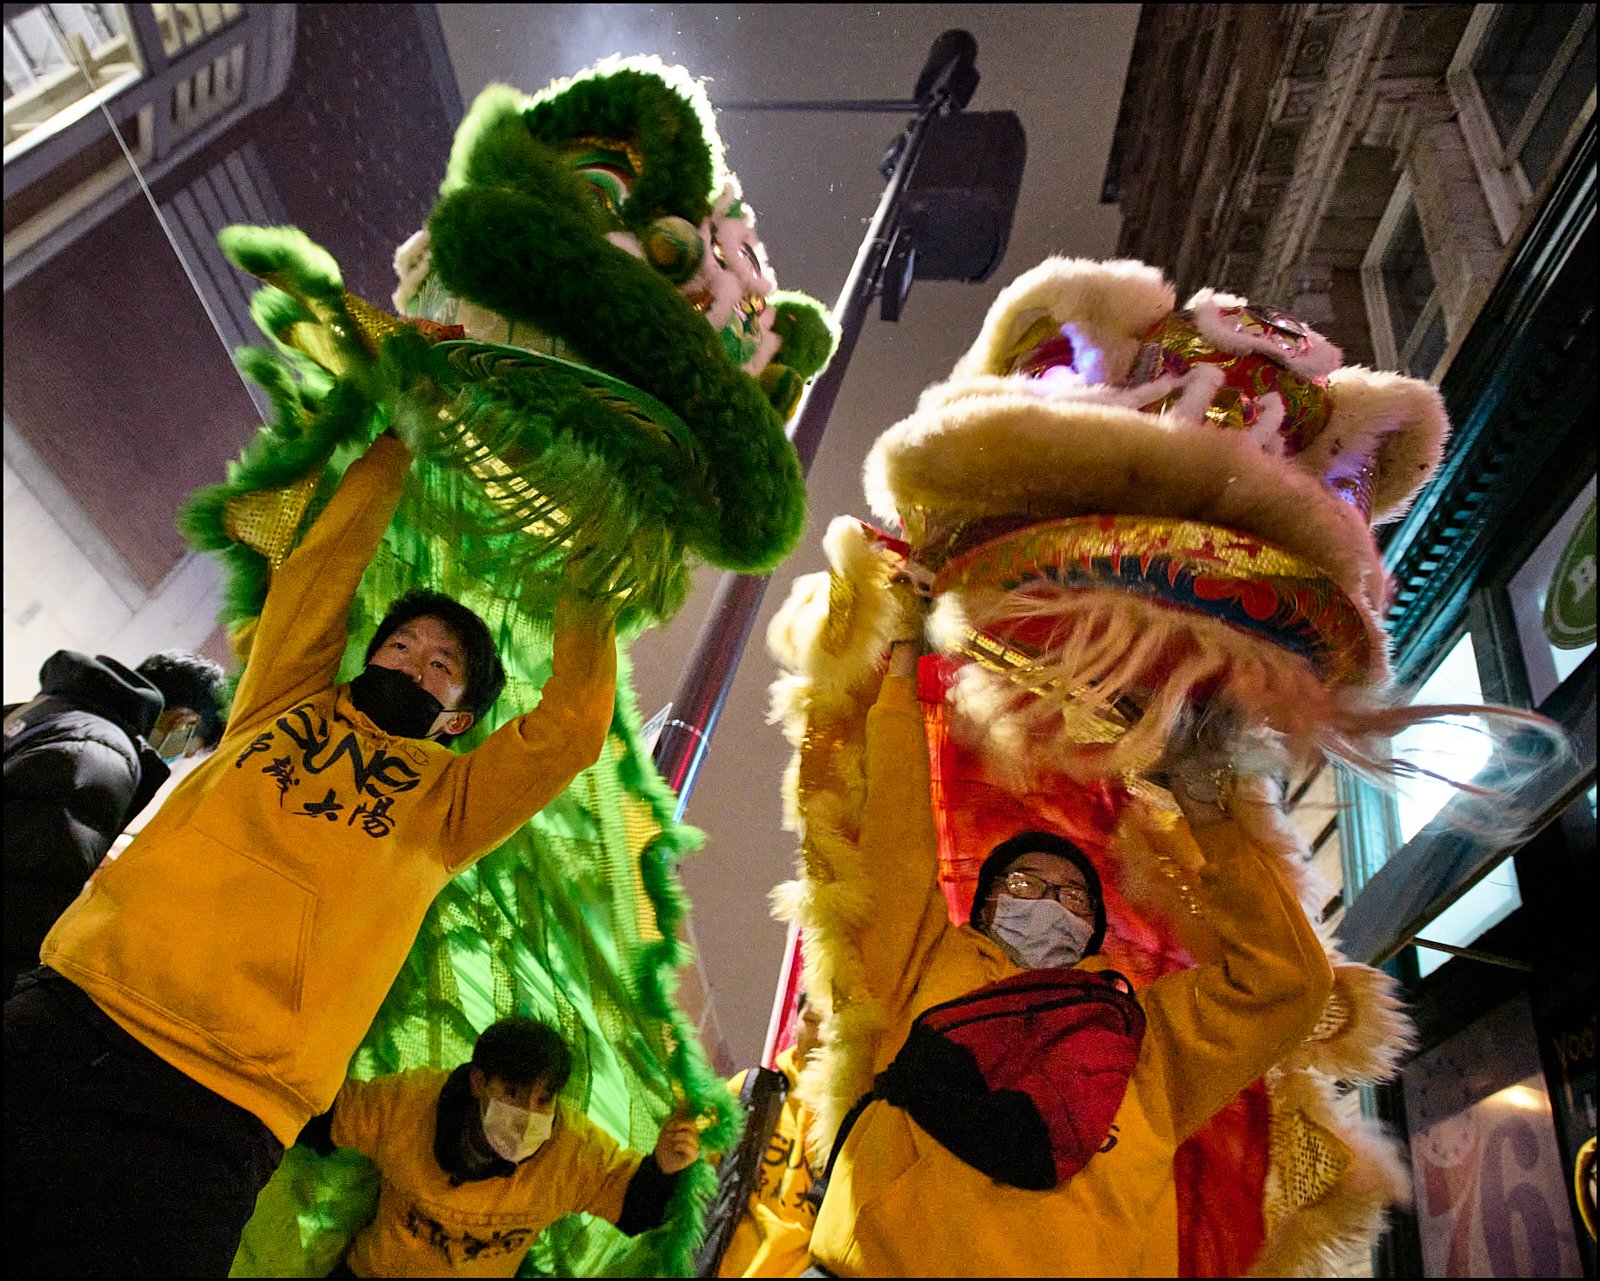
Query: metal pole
(895, 106)
(709, 675)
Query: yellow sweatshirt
(899, 1204)
(773, 1238)
(250, 932)
(427, 1228)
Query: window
(1404, 310)
(184, 25)
(1477, 911)
(1452, 747)
(61, 62)
(1524, 79)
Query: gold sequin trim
(841, 607)
(1083, 720)
(267, 519)
(373, 323)
(1041, 330)
(1335, 1018)
(819, 750)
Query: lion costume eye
(609, 167)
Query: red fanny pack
(1023, 1078)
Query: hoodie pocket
(221, 940)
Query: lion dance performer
(1135, 545)
(590, 361)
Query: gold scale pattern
(1307, 1161)
(267, 519)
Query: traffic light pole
(696, 706)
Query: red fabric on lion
(1220, 1172)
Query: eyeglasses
(1026, 885)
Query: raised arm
(304, 625)
(529, 761)
(361, 1115)
(1219, 1027)
(898, 839)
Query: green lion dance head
(590, 341)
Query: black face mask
(394, 702)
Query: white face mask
(515, 1133)
(1039, 933)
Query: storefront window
(1535, 68)
(1405, 310)
(1416, 319)
(1491, 1185)
(1454, 747)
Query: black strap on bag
(1019, 1079)
(762, 1097)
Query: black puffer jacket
(77, 768)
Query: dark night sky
(813, 181)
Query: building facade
(1417, 181)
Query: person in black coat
(81, 759)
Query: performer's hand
(1203, 797)
(903, 657)
(678, 1146)
(911, 596)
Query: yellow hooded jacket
(773, 1238)
(899, 1204)
(250, 932)
(428, 1226)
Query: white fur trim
(1320, 358)
(998, 449)
(412, 261)
(1111, 304)
(1332, 1234)
(1270, 419)
(1401, 422)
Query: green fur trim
(655, 979)
(534, 259)
(270, 252)
(275, 457)
(809, 334)
(662, 111)
(493, 149)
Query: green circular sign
(1569, 607)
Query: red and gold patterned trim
(1235, 578)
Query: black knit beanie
(1013, 848)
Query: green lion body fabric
(590, 361)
